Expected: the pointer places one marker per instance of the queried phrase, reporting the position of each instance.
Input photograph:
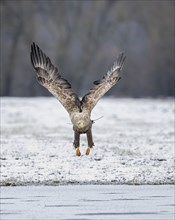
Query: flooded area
(88, 202)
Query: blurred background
(83, 39)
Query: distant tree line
(83, 38)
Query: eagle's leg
(90, 141)
(77, 142)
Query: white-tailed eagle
(79, 109)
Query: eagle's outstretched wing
(102, 86)
(48, 76)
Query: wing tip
(121, 59)
(33, 45)
(37, 56)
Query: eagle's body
(81, 121)
(79, 109)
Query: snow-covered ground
(134, 143)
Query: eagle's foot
(78, 153)
(88, 151)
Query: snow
(134, 143)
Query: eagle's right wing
(48, 76)
(102, 86)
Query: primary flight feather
(79, 109)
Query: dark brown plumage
(79, 109)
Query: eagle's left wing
(49, 77)
(102, 86)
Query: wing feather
(102, 86)
(49, 77)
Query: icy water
(87, 202)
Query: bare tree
(83, 39)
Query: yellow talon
(88, 151)
(78, 153)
